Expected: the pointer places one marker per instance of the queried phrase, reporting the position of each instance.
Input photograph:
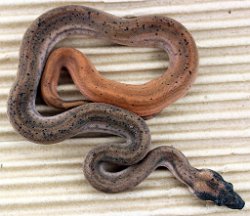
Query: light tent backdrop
(211, 125)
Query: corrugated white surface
(211, 125)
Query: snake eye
(216, 175)
(229, 187)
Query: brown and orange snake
(134, 154)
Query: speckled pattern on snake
(134, 154)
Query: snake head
(210, 185)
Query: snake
(132, 159)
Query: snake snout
(210, 185)
(230, 199)
(227, 196)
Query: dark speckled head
(211, 186)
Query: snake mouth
(231, 200)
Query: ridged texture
(211, 125)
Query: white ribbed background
(211, 125)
